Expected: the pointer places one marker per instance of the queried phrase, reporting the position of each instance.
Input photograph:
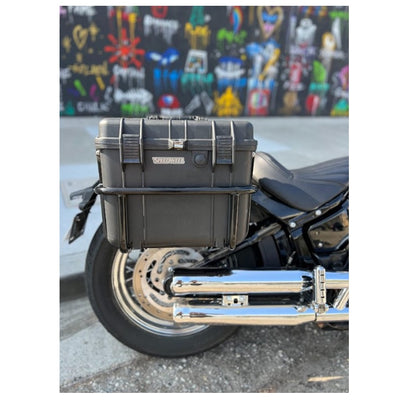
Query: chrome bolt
(318, 213)
(292, 224)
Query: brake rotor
(149, 275)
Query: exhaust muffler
(253, 282)
(236, 286)
(254, 315)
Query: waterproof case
(175, 182)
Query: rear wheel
(126, 293)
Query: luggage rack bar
(231, 190)
(234, 193)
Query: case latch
(223, 147)
(130, 146)
(131, 149)
(224, 150)
(176, 144)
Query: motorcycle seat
(305, 189)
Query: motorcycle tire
(109, 288)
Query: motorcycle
(292, 267)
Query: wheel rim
(128, 285)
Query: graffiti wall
(208, 61)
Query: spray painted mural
(198, 60)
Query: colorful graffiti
(204, 60)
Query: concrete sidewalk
(293, 141)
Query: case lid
(193, 133)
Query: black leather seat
(306, 188)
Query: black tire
(142, 338)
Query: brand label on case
(168, 160)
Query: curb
(72, 287)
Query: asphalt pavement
(255, 359)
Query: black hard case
(175, 182)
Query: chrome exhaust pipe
(254, 315)
(236, 286)
(254, 282)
